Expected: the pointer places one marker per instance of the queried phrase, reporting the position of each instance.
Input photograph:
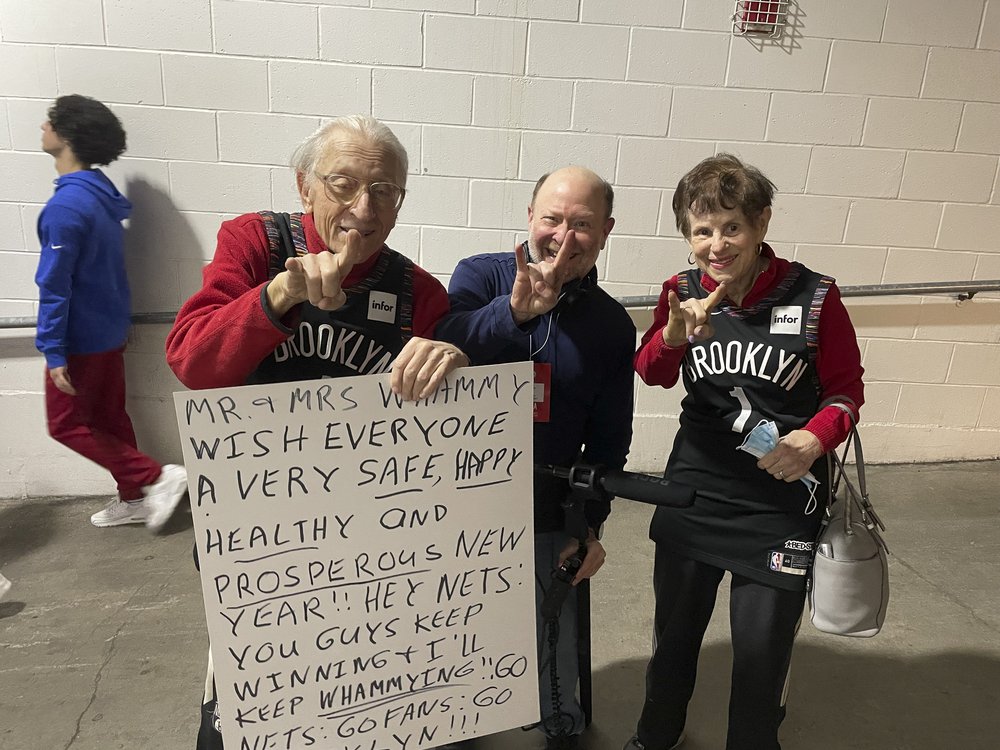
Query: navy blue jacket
(589, 343)
(84, 302)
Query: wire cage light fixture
(760, 19)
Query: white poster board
(366, 563)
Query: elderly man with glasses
(318, 293)
(281, 292)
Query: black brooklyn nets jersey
(362, 337)
(759, 365)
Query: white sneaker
(119, 513)
(164, 495)
(4, 586)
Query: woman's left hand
(793, 456)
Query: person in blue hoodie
(542, 303)
(84, 311)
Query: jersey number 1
(741, 420)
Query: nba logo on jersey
(786, 319)
(382, 306)
(775, 562)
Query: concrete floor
(102, 639)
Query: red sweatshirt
(838, 359)
(223, 332)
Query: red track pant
(94, 422)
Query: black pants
(209, 737)
(763, 621)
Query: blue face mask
(762, 440)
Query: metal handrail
(137, 319)
(963, 290)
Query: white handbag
(849, 586)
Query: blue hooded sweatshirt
(84, 303)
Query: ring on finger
(781, 474)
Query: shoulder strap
(854, 438)
(285, 238)
(855, 497)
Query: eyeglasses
(345, 189)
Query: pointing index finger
(563, 258)
(350, 253)
(569, 243)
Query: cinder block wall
(878, 119)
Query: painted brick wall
(878, 119)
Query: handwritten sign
(366, 563)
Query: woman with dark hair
(761, 344)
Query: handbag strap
(856, 496)
(853, 438)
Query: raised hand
(689, 321)
(316, 277)
(537, 285)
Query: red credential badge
(542, 393)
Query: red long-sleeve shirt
(838, 359)
(223, 332)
